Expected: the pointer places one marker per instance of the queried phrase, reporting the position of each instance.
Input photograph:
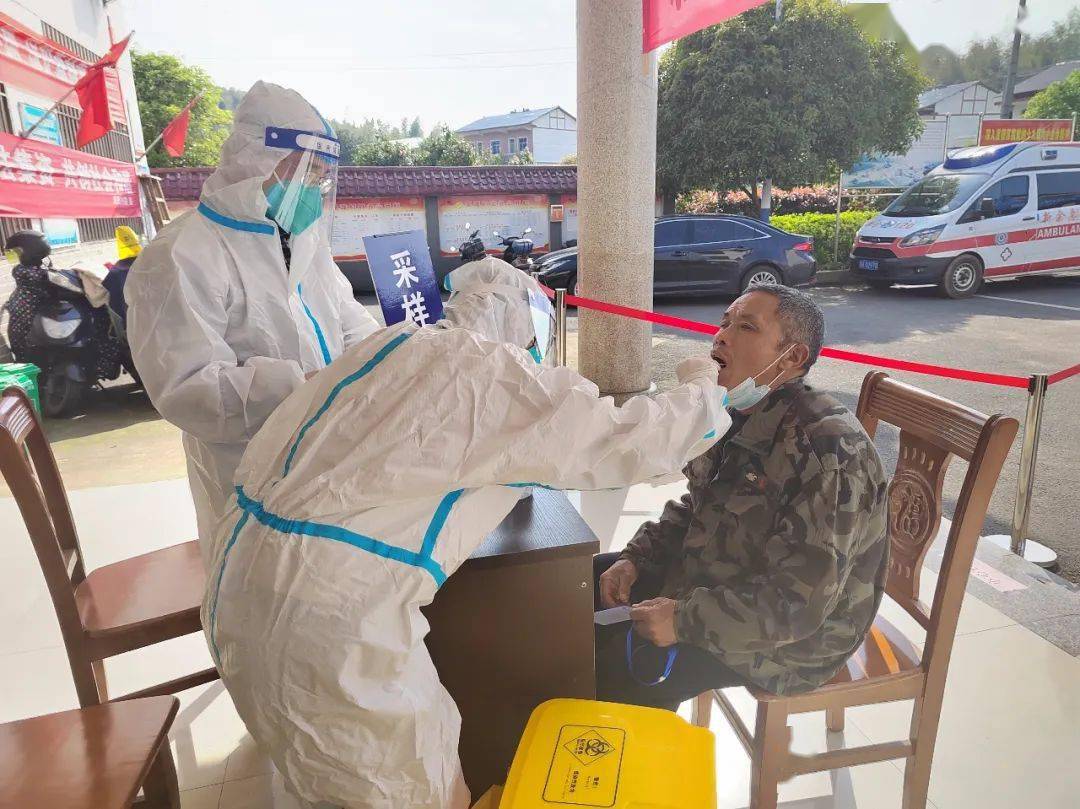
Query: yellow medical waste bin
(583, 753)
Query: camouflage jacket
(778, 554)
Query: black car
(707, 253)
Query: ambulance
(988, 213)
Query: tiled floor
(1010, 733)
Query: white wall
(552, 145)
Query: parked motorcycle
(472, 248)
(55, 326)
(517, 250)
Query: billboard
(509, 214)
(570, 217)
(900, 171)
(356, 218)
(995, 132)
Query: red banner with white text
(42, 180)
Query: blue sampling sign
(404, 277)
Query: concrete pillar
(616, 191)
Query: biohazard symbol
(589, 747)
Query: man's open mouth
(720, 361)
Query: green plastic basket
(23, 375)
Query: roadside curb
(835, 278)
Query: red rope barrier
(1062, 375)
(833, 353)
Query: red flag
(174, 135)
(92, 89)
(665, 20)
(115, 52)
(96, 119)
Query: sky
(446, 61)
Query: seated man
(771, 569)
(372, 483)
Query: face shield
(543, 318)
(304, 183)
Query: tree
(444, 147)
(164, 86)
(752, 98)
(569, 160)
(523, 158)
(942, 66)
(383, 152)
(415, 130)
(1060, 100)
(353, 139)
(231, 98)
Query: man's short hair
(800, 317)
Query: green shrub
(822, 226)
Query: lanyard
(672, 653)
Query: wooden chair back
(30, 470)
(932, 431)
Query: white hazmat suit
(221, 330)
(373, 483)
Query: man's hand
(615, 584)
(654, 620)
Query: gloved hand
(694, 368)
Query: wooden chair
(91, 758)
(887, 667)
(127, 605)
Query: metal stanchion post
(560, 327)
(1033, 551)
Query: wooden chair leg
(102, 683)
(924, 726)
(772, 743)
(701, 714)
(161, 790)
(834, 719)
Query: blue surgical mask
(304, 209)
(748, 393)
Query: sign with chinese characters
(48, 131)
(879, 170)
(507, 214)
(404, 278)
(43, 180)
(995, 132)
(359, 217)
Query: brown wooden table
(513, 628)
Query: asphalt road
(1015, 328)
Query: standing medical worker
(368, 487)
(235, 303)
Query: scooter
(67, 336)
(472, 248)
(517, 250)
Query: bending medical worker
(373, 483)
(235, 303)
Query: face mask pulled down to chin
(749, 393)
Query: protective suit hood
(495, 300)
(235, 188)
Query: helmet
(29, 246)
(127, 243)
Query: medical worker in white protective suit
(235, 303)
(368, 487)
